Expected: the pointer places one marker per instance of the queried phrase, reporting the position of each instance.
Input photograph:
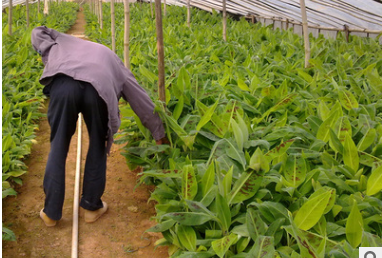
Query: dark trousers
(68, 98)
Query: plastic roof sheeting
(356, 14)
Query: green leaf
(162, 226)
(187, 237)
(8, 234)
(374, 183)
(258, 162)
(208, 178)
(367, 140)
(239, 137)
(347, 99)
(311, 211)
(178, 108)
(279, 150)
(189, 218)
(189, 183)
(206, 117)
(245, 187)
(255, 225)
(222, 245)
(263, 248)
(223, 213)
(294, 171)
(350, 157)
(242, 85)
(323, 132)
(354, 226)
(148, 74)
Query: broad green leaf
(367, 140)
(162, 226)
(239, 137)
(8, 234)
(342, 127)
(255, 225)
(323, 110)
(222, 245)
(189, 218)
(148, 74)
(245, 187)
(242, 85)
(311, 211)
(335, 143)
(324, 129)
(374, 183)
(259, 162)
(178, 108)
(347, 99)
(354, 226)
(187, 237)
(223, 213)
(227, 183)
(208, 178)
(189, 183)
(332, 198)
(369, 160)
(206, 117)
(294, 171)
(263, 248)
(350, 157)
(306, 250)
(279, 150)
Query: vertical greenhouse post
(127, 34)
(46, 8)
(38, 7)
(100, 14)
(27, 9)
(188, 14)
(159, 29)
(151, 9)
(224, 21)
(112, 25)
(10, 7)
(164, 7)
(305, 32)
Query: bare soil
(118, 233)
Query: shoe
(92, 216)
(48, 221)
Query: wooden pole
(38, 7)
(188, 14)
(100, 14)
(164, 7)
(159, 29)
(27, 9)
(224, 21)
(306, 33)
(46, 8)
(10, 10)
(112, 25)
(151, 9)
(127, 34)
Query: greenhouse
(216, 128)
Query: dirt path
(119, 233)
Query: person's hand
(164, 140)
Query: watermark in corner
(370, 252)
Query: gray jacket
(98, 65)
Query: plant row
(266, 158)
(21, 92)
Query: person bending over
(83, 76)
